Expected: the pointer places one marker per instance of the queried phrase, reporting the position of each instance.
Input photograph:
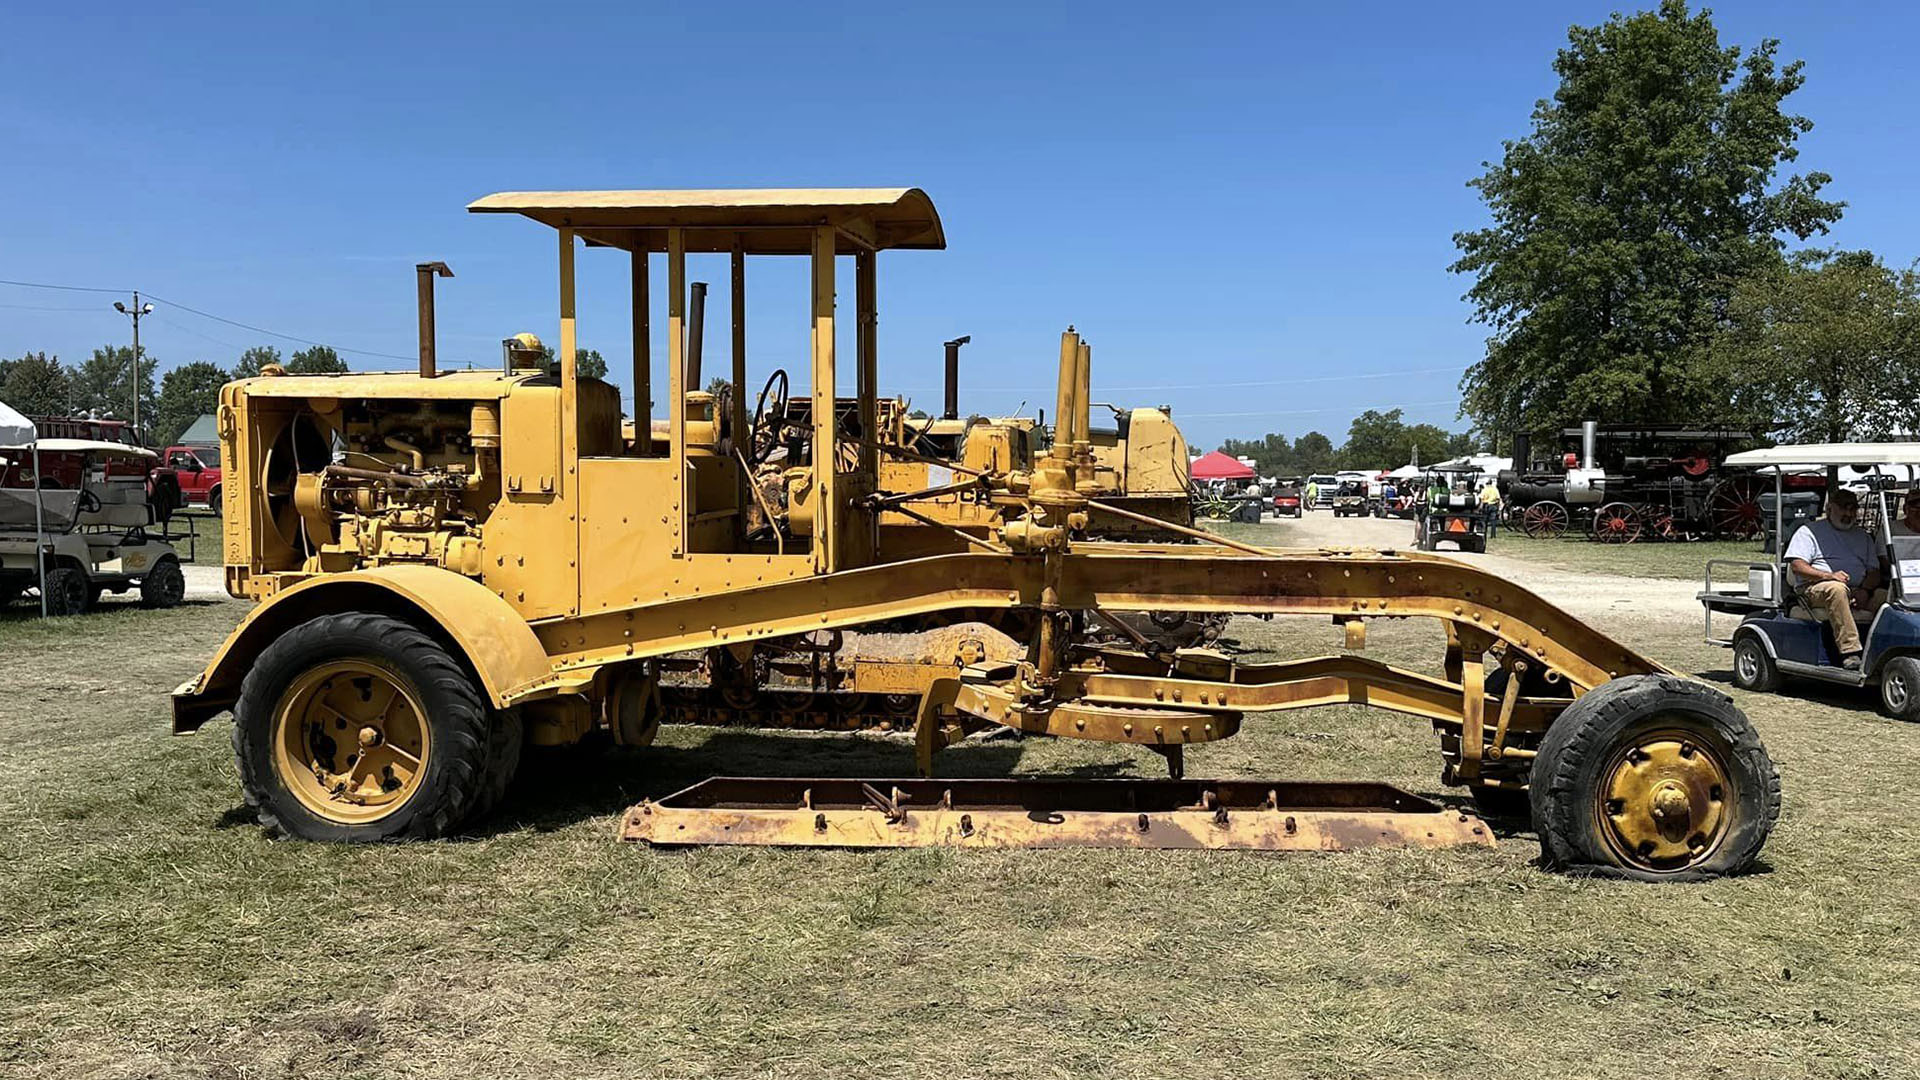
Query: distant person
(1909, 523)
(1388, 493)
(1838, 572)
(1490, 506)
(1313, 490)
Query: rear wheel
(1617, 523)
(1754, 670)
(213, 500)
(359, 727)
(164, 586)
(1900, 688)
(1655, 778)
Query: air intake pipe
(696, 335)
(952, 410)
(424, 274)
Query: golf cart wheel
(164, 586)
(1900, 688)
(1617, 523)
(9, 592)
(1754, 670)
(358, 727)
(1544, 521)
(1654, 778)
(68, 592)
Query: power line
(1305, 380)
(43, 307)
(204, 315)
(62, 288)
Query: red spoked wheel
(1544, 520)
(1617, 523)
(1733, 508)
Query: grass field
(1662, 560)
(151, 931)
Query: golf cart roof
(764, 221)
(1809, 454)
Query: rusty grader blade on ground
(1038, 812)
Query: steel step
(1241, 815)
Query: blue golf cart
(1777, 635)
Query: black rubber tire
(460, 724)
(9, 593)
(1510, 805)
(506, 740)
(164, 586)
(1578, 746)
(68, 591)
(213, 500)
(1900, 688)
(1754, 670)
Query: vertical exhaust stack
(1589, 439)
(1522, 451)
(696, 335)
(952, 410)
(424, 274)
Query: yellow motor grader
(450, 565)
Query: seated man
(1838, 571)
(1909, 523)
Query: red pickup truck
(198, 468)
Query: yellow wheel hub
(350, 740)
(1664, 802)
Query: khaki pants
(1830, 604)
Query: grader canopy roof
(766, 221)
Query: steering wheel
(89, 502)
(766, 437)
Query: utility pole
(135, 312)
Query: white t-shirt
(1826, 548)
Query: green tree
(103, 384)
(254, 359)
(1314, 453)
(186, 393)
(316, 360)
(1272, 455)
(587, 363)
(37, 385)
(1825, 348)
(1621, 224)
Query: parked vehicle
(1778, 636)
(1350, 499)
(1323, 486)
(95, 506)
(1287, 497)
(1449, 516)
(197, 469)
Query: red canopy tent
(1214, 465)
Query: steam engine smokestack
(952, 410)
(1522, 451)
(1589, 437)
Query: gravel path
(1605, 597)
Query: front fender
(458, 611)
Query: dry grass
(1670, 559)
(151, 932)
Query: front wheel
(67, 590)
(1655, 778)
(1754, 670)
(358, 727)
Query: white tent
(18, 431)
(1404, 472)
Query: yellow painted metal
(351, 741)
(1667, 801)
(826, 481)
(1042, 813)
(495, 639)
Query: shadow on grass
(556, 790)
(27, 609)
(1858, 699)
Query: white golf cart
(83, 519)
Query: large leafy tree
(1621, 224)
(316, 360)
(1825, 348)
(1271, 455)
(587, 363)
(186, 393)
(1314, 453)
(103, 384)
(254, 359)
(36, 384)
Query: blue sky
(1247, 209)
